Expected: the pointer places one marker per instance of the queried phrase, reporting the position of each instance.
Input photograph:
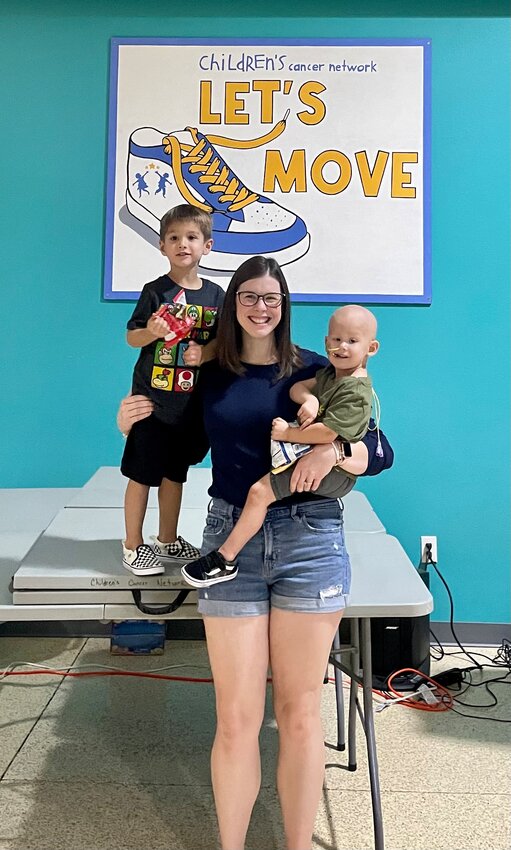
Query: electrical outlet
(434, 550)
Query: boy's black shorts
(155, 450)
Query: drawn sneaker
(181, 550)
(244, 222)
(212, 568)
(141, 561)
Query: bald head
(354, 317)
(351, 338)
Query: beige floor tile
(89, 816)
(420, 750)
(121, 762)
(132, 730)
(24, 698)
(427, 821)
(83, 816)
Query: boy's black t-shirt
(160, 371)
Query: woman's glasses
(250, 299)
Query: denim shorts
(297, 561)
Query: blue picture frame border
(305, 298)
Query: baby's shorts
(334, 485)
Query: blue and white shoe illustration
(244, 222)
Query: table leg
(339, 699)
(352, 717)
(367, 678)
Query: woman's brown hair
(229, 336)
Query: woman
(293, 579)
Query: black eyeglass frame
(262, 298)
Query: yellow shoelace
(202, 158)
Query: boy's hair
(187, 212)
(229, 336)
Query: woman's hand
(132, 409)
(310, 470)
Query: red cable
(77, 674)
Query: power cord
(431, 563)
(455, 677)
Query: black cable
(431, 562)
(501, 659)
(485, 684)
(439, 647)
(503, 656)
(477, 717)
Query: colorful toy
(179, 323)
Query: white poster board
(314, 152)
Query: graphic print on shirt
(181, 380)
(162, 379)
(165, 353)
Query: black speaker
(400, 642)
(396, 643)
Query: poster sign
(316, 153)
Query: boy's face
(184, 245)
(350, 340)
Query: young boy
(160, 448)
(339, 397)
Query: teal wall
(440, 374)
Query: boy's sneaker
(141, 561)
(181, 550)
(212, 568)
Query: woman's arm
(370, 456)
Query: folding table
(73, 571)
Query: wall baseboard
(474, 634)
(471, 634)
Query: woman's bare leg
(299, 649)
(238, 652)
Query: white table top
(81, 549)
(106, 490)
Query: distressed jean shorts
(297, 561)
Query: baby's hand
(308, 412)
(279, 429)
(193, 354)
(157, 326)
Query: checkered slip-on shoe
(181, 550)
(212, 568)
(141, 561)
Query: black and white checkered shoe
(141, 561)
(212, 568)
(181, 550)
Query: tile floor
(116, 763)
